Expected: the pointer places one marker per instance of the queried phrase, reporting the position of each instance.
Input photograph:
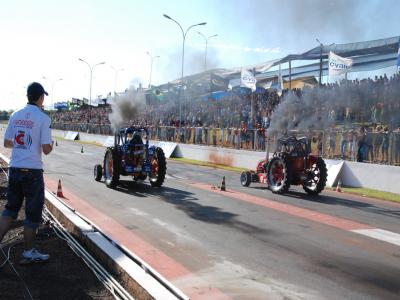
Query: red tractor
(291, 163)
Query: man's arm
(8, 143)
(47, 143)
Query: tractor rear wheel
(112, 164)
(317, 176)
(279, 175)
(158, 168)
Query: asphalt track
(246, 243)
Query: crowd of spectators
(360, 101)
(367, 108)
(83, 115)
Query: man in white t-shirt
(28, 134)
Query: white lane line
(179, 233)
(172, 176)
(138, 212)
(380, 234)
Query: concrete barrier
(82, 136)
(231, 157)
(378, 177)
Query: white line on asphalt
(172, 176)
(380, 234)
(177, 231)
(137, 212)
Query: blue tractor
(130, 156)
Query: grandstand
(217, 111)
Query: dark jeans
(25, 184)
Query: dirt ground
(64, 276)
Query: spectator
(332, 142)
(28, 134)
(378, 142)
(385, 145)
(361, 145)
(343, 143)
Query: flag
(338, 65)
(398, 58)
(280, 82)
(248, 80)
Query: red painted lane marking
(199, 289)
(286, 208)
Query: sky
(43, 40)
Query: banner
(338, 65)
(248, 80)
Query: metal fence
(378, 147)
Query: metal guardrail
(379, 147)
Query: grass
(365, 192)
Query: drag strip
(242, 249)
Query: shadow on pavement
(332, 200)
(188, 203)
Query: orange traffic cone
(339, 187)
(223, 187)
(56, 143)
(59, 190)
(82, 149)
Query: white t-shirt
(29, 129)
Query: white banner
(248, 80)
(338, 65)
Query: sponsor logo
(339, 66)
(248, 79)
(24, 123)
(22, 140)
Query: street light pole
(206, 39)
(184, 33)
(115, 78)
(320, 61)
(151, 65)
(52, 82)
(91, 77)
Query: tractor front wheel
(98, 172)
(245, 178)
